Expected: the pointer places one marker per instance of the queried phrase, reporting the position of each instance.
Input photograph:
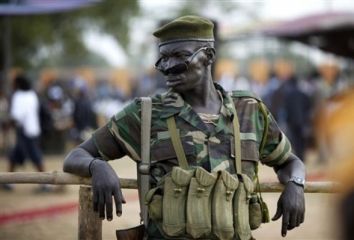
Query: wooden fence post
(90, 225)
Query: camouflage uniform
(213, 150)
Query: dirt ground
(63, 223)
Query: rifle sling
(144, 165)
(176, 142)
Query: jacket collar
(173, 104)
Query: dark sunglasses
(179, 67)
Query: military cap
(186, 28)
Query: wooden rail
(55, 177)
(61, 178)
(90, 225)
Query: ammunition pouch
(199, 203)
(258, 211)
(255, 212)
(153, 200)
(241, 207)
(174, 201)
(222, 205)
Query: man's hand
(291, 205)
(105, 184)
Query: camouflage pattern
(213, 150)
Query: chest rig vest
(192, 203)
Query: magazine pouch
(153, 200)
(199, 203)
(174, 201)
(241, 207)
(222, 209)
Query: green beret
(186, 28)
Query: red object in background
(35, 213)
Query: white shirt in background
(25, 111)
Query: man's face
(183, 65)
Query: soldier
(215, 130)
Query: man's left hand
(291, 205)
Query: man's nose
(170, 62)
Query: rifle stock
(134, 233)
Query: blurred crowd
(314, 111)
(296, 102)
(73, 105)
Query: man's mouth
(173, 81)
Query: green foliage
(115, 17)
(197, 6)
(36, 39)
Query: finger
(302, 218)
(101, 205)
(118, 194)
(292, 221)
(118, 202)
(278, 213)
(109, 207)
(95, 200)
(285, 223)
(121, 196)
(298, 221)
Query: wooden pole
(90, 225)
(310, 187)
(55, 177)
(61, 178)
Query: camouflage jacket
(213, 150)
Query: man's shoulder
(245, 94)
(133, 107)
(156, 100)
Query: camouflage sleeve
(124, 127)
(277, 147)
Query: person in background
(290, 106)
(84, 118)
(327, 85)
(60, 108)
(329, 82)
(337, 131)
(259, 76)
(24, 111)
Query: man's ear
(210, 52)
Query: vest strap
(237, 137)
(176, 142)
(266, 125)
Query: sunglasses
(179, 67)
